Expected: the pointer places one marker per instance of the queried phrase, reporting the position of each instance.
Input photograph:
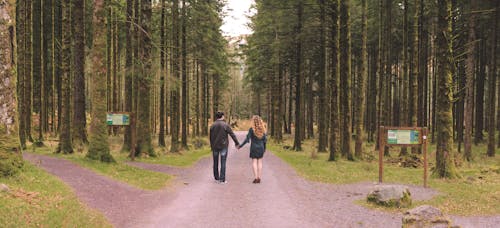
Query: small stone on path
(4, 188)
(425, 216)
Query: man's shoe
(254, 181)
(258, 181)
(223, 182)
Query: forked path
(282, 199)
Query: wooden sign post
(401, 136)
(124, 119)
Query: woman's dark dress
(257, 146)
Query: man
(219, 143)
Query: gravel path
(282, 199)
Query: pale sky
(235, 22)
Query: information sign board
(119, 119)
(403, 137)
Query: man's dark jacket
(218, 135)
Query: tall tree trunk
(185, 97)
(37, 75)
(176, 73)
(58, 40)
(380, 71)
(404, 62)
(322, 97)
(334, 84)
(109, 56)
(10, 154)
(163, 55)
(445, 166)
(79, 116)
(492, 84)
(28, 79)
(65, 144)
(469, 85)
(479, 104)
(360, 107)
(297, 142)
(144, 84)
(21, 67)
(129, 71)
(46, 92)
(345, 78)
(98, 145)
(415, 69)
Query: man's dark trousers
(223, 156)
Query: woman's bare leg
(259, 168)
(255, 168)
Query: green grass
(183, 159)
(38, 199)
(458, 196)
(120, 171)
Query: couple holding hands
(257, 137)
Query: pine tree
(360, 107)
(79, 117)
(10, 153)
(469, 85)
(144, 83)
(334, 84)
(345, 78)
(98, 145)
(493, 75)
(65, 144)
(445, 166)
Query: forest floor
(282, 199)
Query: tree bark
(175, 115)
(144, 84)
(185, 82)
(65, 140)
(297, 142)
(129, 70)
(345, 78)
(163, 55)
(492, 84)
(37, 75)
(79, 116)
(469, 85)
(10, 152)
(98, 145)
(360, 107)
(21, 68)
(445, 166)
(322, 96)
(334, 84)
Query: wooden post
(381, 146)
(424, 145)
(132, 136)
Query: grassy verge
(38, 199)
(183, 159)
(137, 177)
(477, 192)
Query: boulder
(425, 216)
(390, 196)
(4, 188)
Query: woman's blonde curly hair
(258, 126)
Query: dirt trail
(283, 199)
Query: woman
(257, 136)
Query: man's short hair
(219, 115)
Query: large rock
(4, 188)
(425, 216)
(390, 196)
